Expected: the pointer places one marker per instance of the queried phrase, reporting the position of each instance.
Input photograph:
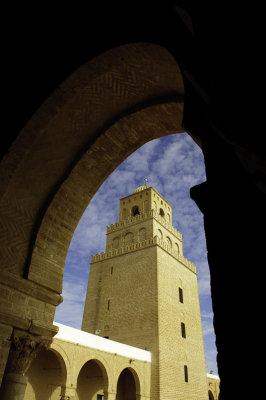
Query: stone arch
(63, 359)
(129, 375)
(210, 394)
(47, 376)
(67, 150)
(177, 248)
(73, 150)
(88, 378)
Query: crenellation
(137, 246)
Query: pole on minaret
(145, 181)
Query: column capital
(24, 348)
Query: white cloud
(70, 312)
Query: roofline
(97, 342)
(212, 376)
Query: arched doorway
(92, 381)
(46, 376)
(127, 385)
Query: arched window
(129, 238)
(169, 242)
(115, 243)
(160, 235)
(176, 248)
(135, 211)
(155, 206)
(142, 234)
(161, 212)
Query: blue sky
(172, 164)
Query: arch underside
(101, 114)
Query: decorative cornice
(141, 245)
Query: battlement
(141, 245)
(142, 217)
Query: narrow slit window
(112, 269)
(108, 305)
(185, 373)
(181, 299)
(183, 330)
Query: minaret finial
(145, 181)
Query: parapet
(141, 245)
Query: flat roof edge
(97, 342)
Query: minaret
(143, 292)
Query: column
(68, 393)
(24, 348)
(109, 396)
(5, 335)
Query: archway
(85, 163)
(46, 376)
(92, 381)
(64, 154)
(18, 255)
(211, 397)
(127, 385)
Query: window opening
(186, 373)
(183, 330)
(135, 211)
(181, 299)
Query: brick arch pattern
(96, 118)
(137, 379)
(110, 148)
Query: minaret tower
(143, 292)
